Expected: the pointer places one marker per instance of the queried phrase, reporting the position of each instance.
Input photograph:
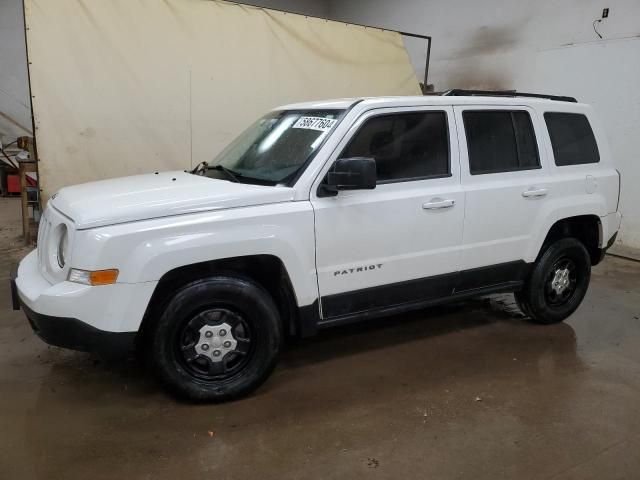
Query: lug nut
(205, 347)
(216, 353)
(208, 334)
(223, 332)
(227, 344)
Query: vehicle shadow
(409, 327)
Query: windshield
(273, 149)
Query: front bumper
(76, 335)
(101, 319)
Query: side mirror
(357, 173)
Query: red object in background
(13, 184)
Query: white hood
(142, 197)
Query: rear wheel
(217, 339)
(558, 282)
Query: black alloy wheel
(557, 283)
(215, 339)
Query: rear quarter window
(572, 139)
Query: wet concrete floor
(464, 391)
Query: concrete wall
(15, 111)
(544, 46)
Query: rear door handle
(535, 192)
(438, 203)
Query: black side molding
(308, 319)
(487, 277)
(424, 291)
(383, 296)
(417, 305)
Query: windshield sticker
(315, 123)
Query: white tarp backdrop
(15, 111)
(128, 86)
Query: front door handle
(437, 203)
(535, 192)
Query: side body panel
(144, 251)
(589, 189)
(500, 223)
(385, 236)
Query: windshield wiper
(200, 168)
(229, 173)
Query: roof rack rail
(458, 92)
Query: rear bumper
(611, 241)
(610, 225)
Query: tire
(232, 316)
(546, 302)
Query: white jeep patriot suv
(321, 214)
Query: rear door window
(500, 141)
(571, 138)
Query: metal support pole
(24, 168)
(426, 66)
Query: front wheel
(558, 282)
(217, 339)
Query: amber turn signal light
(96, 277)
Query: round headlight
(62, 246)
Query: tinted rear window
(572, 139)
(500, 141)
